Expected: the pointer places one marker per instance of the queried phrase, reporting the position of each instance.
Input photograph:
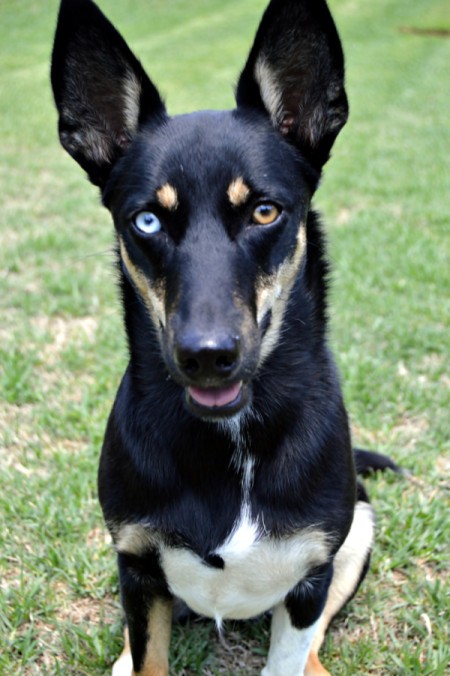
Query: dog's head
(210, 208)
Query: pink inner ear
(287, 123)
(123, 139)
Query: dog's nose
(210, 357)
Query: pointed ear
(295, 72)
(101, 90)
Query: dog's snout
(212, 357)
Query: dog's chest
(250, 573)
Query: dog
(227, 477)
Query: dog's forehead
(214, 147)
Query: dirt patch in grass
(20, 436)
(63, 332)
(443, 467)
(239, 649)
(98, 537)
(364, 437)
(427, 32)
(12, 318)
(238, 654)
(48, 644)
(410, 430)
(85, 611)
(18, 432)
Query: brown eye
(265, 213)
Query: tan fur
(282, 117)
(153, 297)
(347, 568)
(167, 196)
(132, 97)
(134, 538)
(314, 666)
(98, 146)
(270, 92)
(156, 660)
(238, 192)
(273, 292)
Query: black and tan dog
(227, 477)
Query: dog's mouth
(217, 401)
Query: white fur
(289, 647)
(245, 531)
(242, 537)
(258, 573)
(123, 666)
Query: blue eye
(147, 223)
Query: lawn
(385, 199)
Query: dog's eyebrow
(167, 197)
(238, 192)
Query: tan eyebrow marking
(167, 197)
(238, 192)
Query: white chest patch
(259, 570)
(257, 575)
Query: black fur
(191, 294)
(368, 462)
(307, 600)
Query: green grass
(385, 201)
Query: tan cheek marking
(167, 196)
(273, 293)
(238, 192)
(153, 297)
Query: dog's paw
(270, 671)
(123, 666)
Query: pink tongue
(214, 396)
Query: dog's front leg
(289, 646)
(294, 624)
(148, 610)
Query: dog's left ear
(295, 72)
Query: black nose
(207, 357)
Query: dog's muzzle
(211, 369)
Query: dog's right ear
(101, 90)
